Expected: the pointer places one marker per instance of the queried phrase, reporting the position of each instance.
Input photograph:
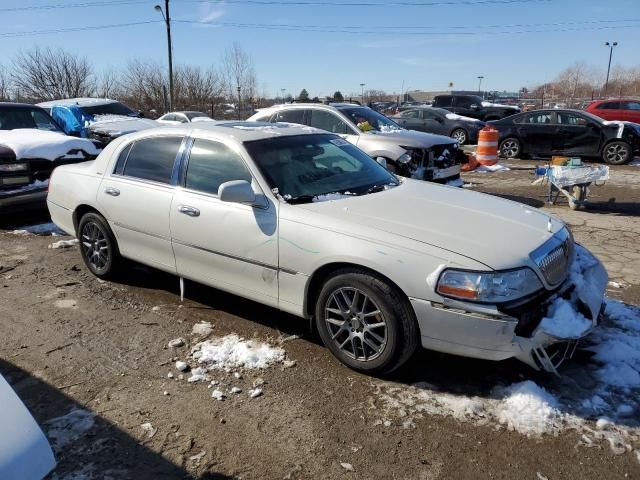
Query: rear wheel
(98, 245)
(510, 148)
(616, 153)
(365, 322)
(460, 135)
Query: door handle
(187, 210)
(114, 192)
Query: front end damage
(439, 164)
(519, 330)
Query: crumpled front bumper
(487, 332)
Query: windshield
(192, 115)
(306, 167)
(115, 108)
(12, 118)
(367, 120)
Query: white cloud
(209, 13)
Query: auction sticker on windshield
(339, 142)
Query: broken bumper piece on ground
(488, 332)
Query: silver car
(412, 154)
(301, 220)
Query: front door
(329, 121)
(536, 130)
(229, 246)
(136, 198)
(576, 135)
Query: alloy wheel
(95, 246)
(616, 153)
(460, 136)
(510, 148)
(355, 324)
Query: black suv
(473, 106)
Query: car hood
(43, 144)
(411, 138)
(117, 125)
(495, 232)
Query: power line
(74, 29)
(355, 31)
(294, 3)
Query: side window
(328, 121)
(42, 121)
(609, 106)
(427, 115)
(536, 118)
(152, 158)
(211, 164)
(263, 118)
(411, 114)
(182, 119)
(443, 101)
(631, 106)
(290, 116)
(571, 119)
(171, 117)
(463, 102)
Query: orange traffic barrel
(487, 151)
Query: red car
(616, 109)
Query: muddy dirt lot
(91, 360)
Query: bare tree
(107, 85)
(239, 75)
(198, 89)
(4, 84)
(143, 86)
(46, 74)
(376, 95)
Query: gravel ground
(71, 342)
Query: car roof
(80, 101)
(18, 105)
(241, 131)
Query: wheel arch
(80, 211)
(323, 273)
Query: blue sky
(323, 62)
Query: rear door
(630, 111)
(136, 199)
(608, 110)
(576, 135)
(536, 131)
(229, 246)
(434, 122)
(411, 119)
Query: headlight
(404, 158)
(488, 287)
(13, 167)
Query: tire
(365, 322)
(461, 135)
(98, 246)
(616, 153)
(510, 148)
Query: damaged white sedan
(301, 220)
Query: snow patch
(498, 167)
(202, 329)
(34, 143)
(63, 244)
(232, 351)
(65, 430)
(331, 196)
(455, 116)
(528, 408)
(564, 321)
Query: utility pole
(167, 21)
(362, 86)
(480, 77)
(610, 45)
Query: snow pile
(233, 351)
(63, 431)
(331, 196)
(63, 244)
(528, 408)
(564, 321)
(455, 116)
(498, 167)
(203, 329)
(34, 143)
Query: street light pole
(480, 77)
(282, 90)
(362, 86)
(610, 45)
(167, 21)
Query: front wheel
(365, 322)
(98, 245)
(616, 153)
(460, 135)
(510, 148)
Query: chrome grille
(554, 257)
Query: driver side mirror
(382, 161)
(236, 191)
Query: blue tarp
(72, 120)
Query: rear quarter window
(609, 106)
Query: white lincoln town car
(301, 220)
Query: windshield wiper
(379, 188)
(300, 199)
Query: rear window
(152, 159)
(115, 108)
(443, 101)
(12, 118)
(631, 106)
(290, 116)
